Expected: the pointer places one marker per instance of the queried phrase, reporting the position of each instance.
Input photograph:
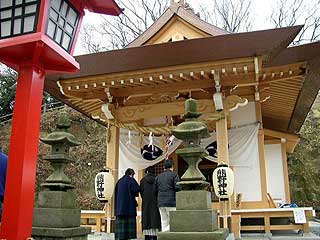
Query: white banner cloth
(243, 142)
(243, 145)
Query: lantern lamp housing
(104, 185)
(18, 17)
(223, 182)
(44, 32)
(62, 23)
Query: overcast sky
(261, 12)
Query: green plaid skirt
(126, 227)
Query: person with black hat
(151, 223)
(165, 189)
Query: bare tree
(294, 12)
(116, 33)
(231, 15)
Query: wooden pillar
(223, 157)
(285, 169)
(112, 162)
(175, 162)
(262, 160)
(236, 226)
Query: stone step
(220, 234)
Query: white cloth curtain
(243, 142)
(130, 153)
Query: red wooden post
(26, 53)
(20, 184)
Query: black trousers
(150, 237)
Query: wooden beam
(162, 70)
(307, 95)
(278, 134)
(163, 88)
(156, 87)
(271, 141)
(262, 160)
(274, 122)
(223, 158)
(291, 139)
(134, 113)
(285, 169)
(112, 162)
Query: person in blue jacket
(125, 205)
(3, 174)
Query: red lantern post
(36, 37)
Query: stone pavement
(285, 236)
(280, 235)
(254, 236)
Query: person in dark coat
(125, 205)
(165, 189)
(151, 222)
(3, 174)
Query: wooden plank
(307, 96)
(253, 228)
(287, 227)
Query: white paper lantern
(223, 182)
(104, 185)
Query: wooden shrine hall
(143, 87)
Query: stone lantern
(194, 217)
(56, 214)
(191, 132)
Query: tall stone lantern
(56, 214)
(191, 132)
(194, 217)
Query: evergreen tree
(8, 80)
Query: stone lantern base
(56, 217)
(194, 218)
(77, 233)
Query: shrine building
(138, 94)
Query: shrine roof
(182, 12)
(288, 77)
(267, 43)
